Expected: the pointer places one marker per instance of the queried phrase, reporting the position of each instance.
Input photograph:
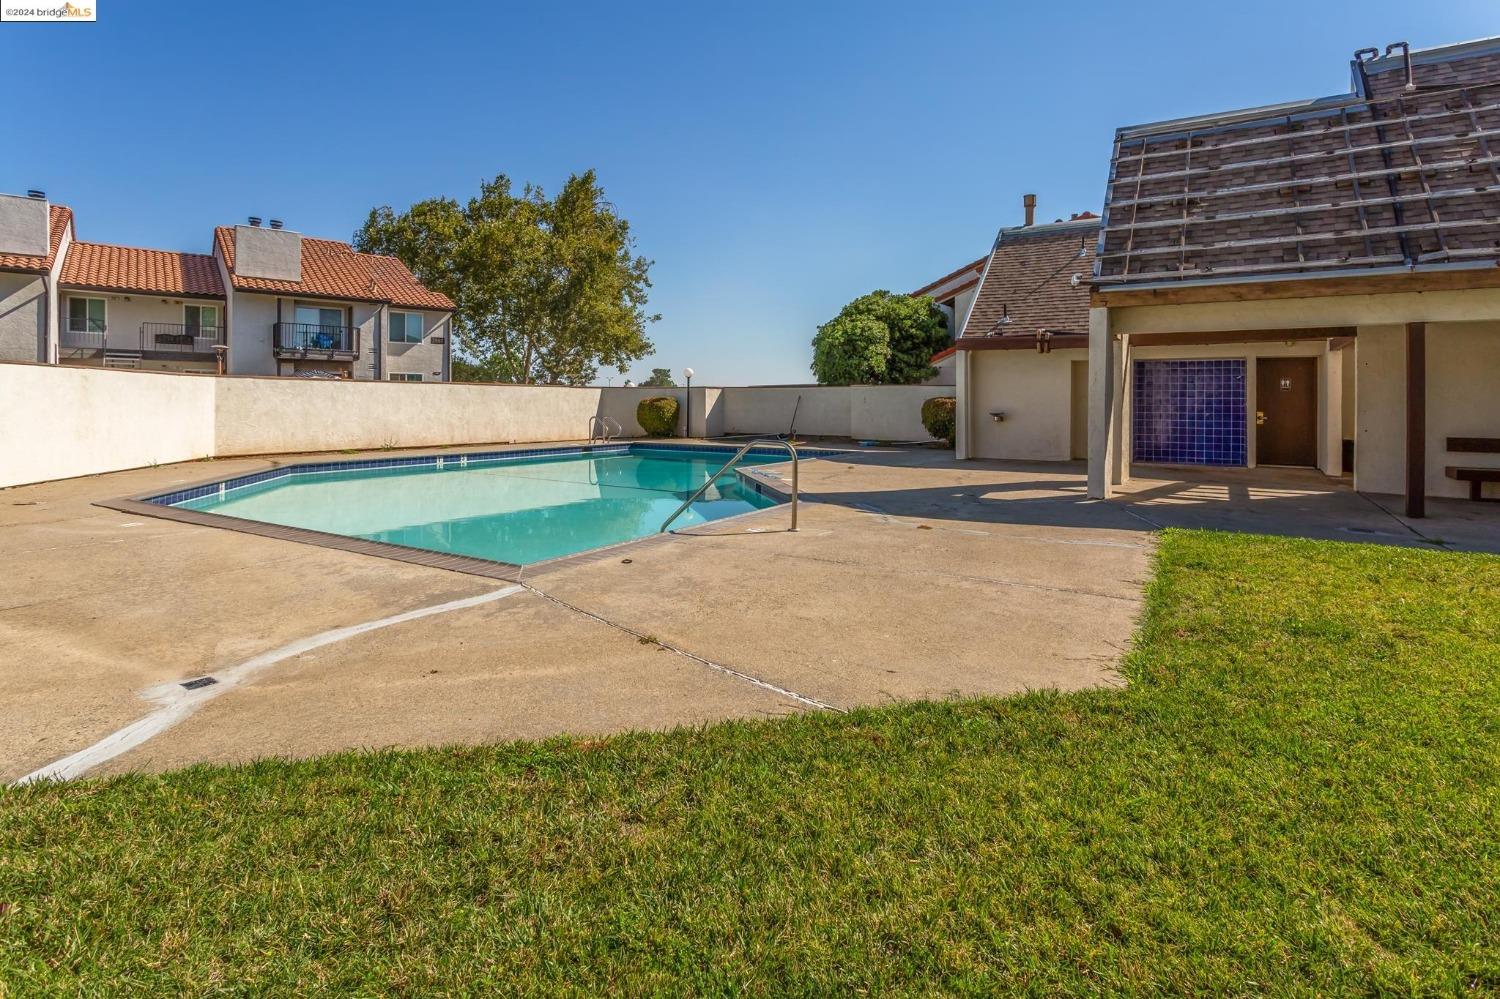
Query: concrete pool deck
(912, 576)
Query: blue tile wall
(1189, 412)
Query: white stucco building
(264, 301)
(1307, 284)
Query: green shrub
(657, 416)
(940, 417)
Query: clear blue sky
(775, 159)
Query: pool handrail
(599, 428)
(764, 442)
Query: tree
(660, 378)
(545, 290)
(880, 339)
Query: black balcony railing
(180, 338)
(312, 338)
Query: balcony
(180, 338)
(80, 337)
(316, 340)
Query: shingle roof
(58, 217)
(1382, 177)
(130, 268)
(969, 273)
(1028, 282)
(331, 269)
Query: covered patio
(1357, 228)
(1403, 381)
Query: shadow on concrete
(1289, 502)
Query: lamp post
(687, 427)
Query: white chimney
(267, 253)
(24, 225)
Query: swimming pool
(516, 507)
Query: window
(86, 315)
(200, 317)
(315, 315)
(406, 327)
(397, 376)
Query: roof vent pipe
(38, 195)
(255, 221)
(276, 223)
(1028, 201)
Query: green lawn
(1299, 791)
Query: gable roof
(332, 269)
(1028, 285)
(1384, 178)
(960, 278)
(130, 268)
(59, 217)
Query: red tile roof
(130, 268)
(331, 269)
(59, 216)
(943, 355)
(1028, 286)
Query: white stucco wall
(1463, 362)
(824, 410)
(62, 422)
(887, 412)
(48, 352)
(370, 320)
(259, 416)
(1034, 391)
(251, 318)
(23, 317)
(875, 412)
(425, 358)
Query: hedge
(940, 417)
(657, 416)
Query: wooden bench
(1475, 477)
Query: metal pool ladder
(599, 428)
(729, 464)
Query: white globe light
(687, 372)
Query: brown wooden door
(1286, 411)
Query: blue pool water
(517, 510)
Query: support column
(1416, 420)
(964, 391)
(1119, 455)
(1101, 403)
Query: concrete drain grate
(202, 681)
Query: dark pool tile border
(340, 542)
(159, 505)
(463, 458)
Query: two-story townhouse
(124, 306)
(265, 301)
(34, 239)
(310, 307)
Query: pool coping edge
(147, 504)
